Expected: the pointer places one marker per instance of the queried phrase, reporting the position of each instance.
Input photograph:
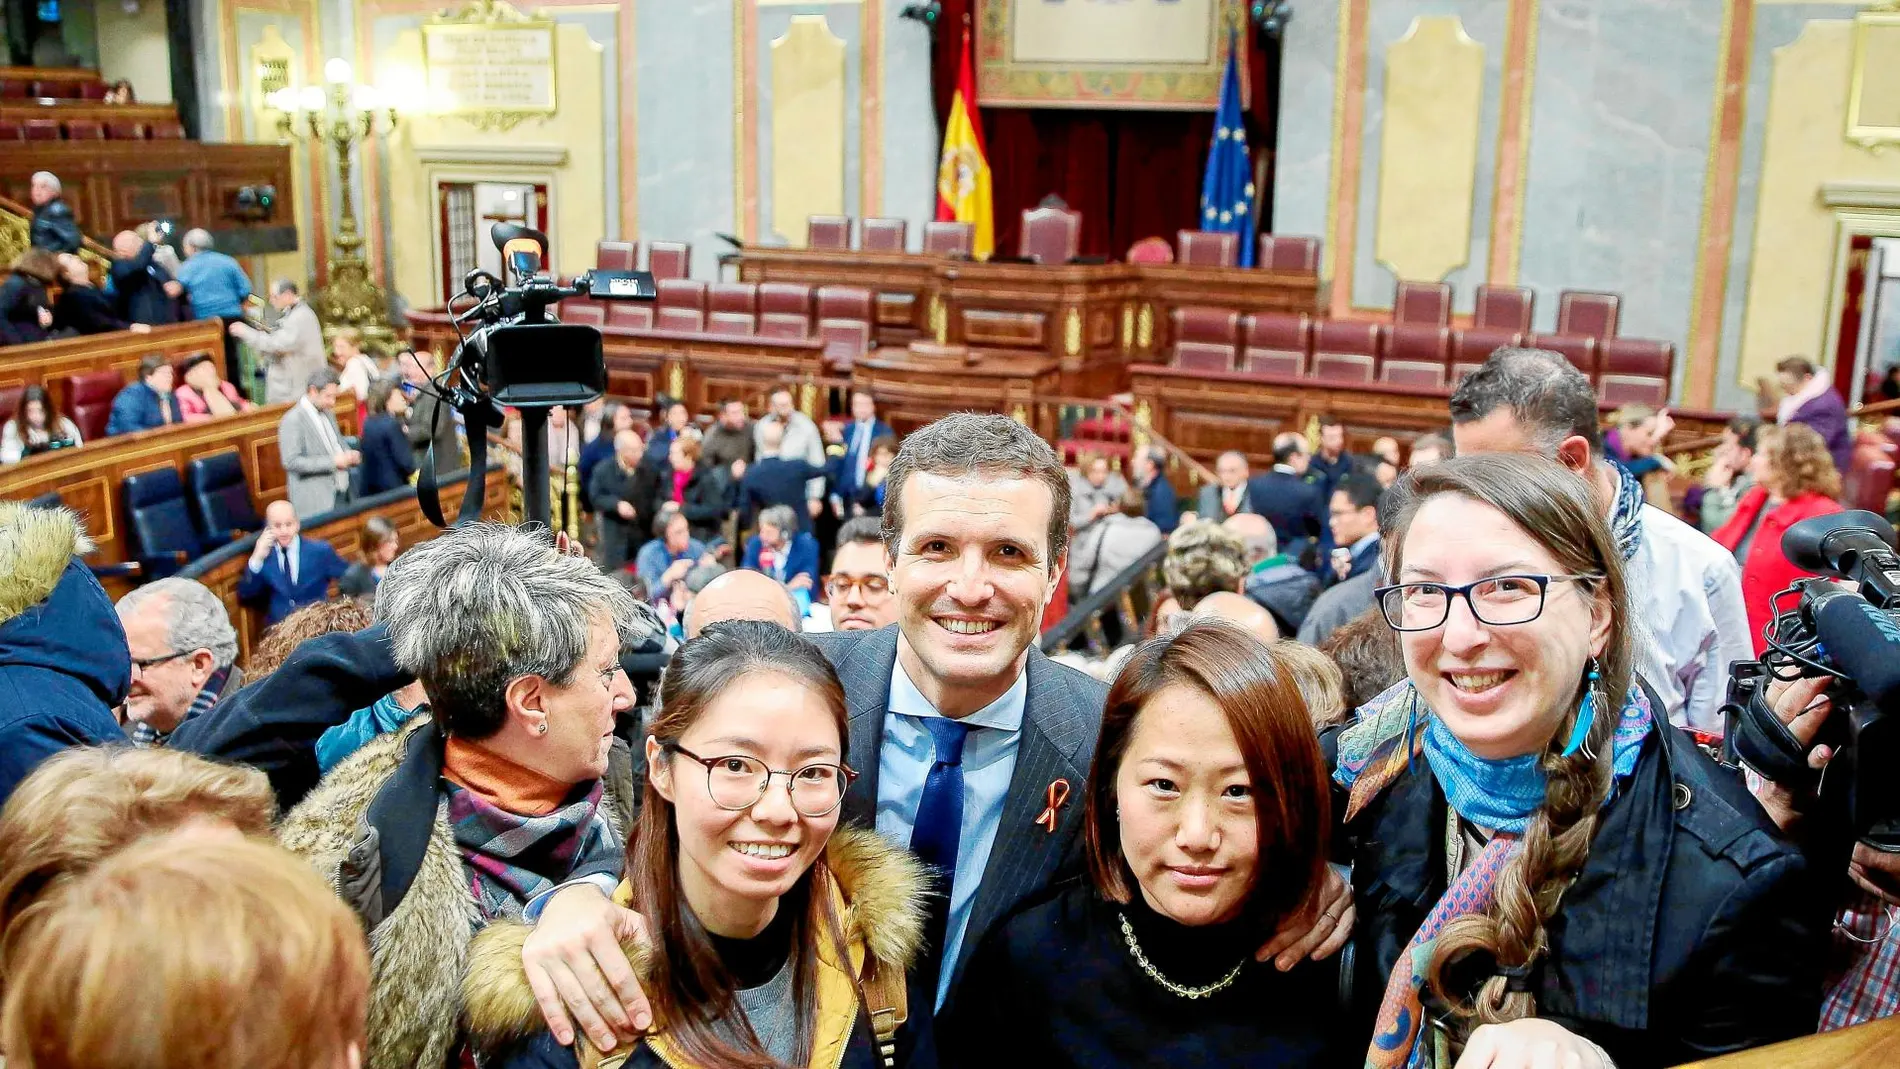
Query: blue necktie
(934, 836)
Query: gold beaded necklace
(1183, 991)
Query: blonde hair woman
(178, 954)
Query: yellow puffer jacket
(878, 895)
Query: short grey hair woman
(517, 646)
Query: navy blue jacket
(138, 407)
(1327, 473)
(1295, 508)
(387, 459)
(317, 565)
(845, 479)
(139, 285)
(63, 667)
(776, 481)
(1164, 507)
(801, 557)
(273, 724)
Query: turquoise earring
(1586, 713)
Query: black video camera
(519, 358)
(1852, 635)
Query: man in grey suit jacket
(316, 462)
(293, 352)
(1230, 494)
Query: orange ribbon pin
(1057, 796)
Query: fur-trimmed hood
(881, 894)
(419, 946)
(36, 545)
(63, 658)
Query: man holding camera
(147, 292)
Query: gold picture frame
(1005, 81)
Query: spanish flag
(963, 176)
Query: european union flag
(1227, 191)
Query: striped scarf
(144, 734)
(1374, 752)
(510, 858)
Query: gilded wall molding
(1428, 172)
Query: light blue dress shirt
(989, 760)
(216, 284)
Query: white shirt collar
(1004, 714)
(1364, 541)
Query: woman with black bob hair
(1205, 826)
(778, 937)
(1545, 871)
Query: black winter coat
(85, 310)
(54, 227)
(1693, 930)
(21, 298)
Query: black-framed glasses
(873, 586)
(145, 664)
(737, 782)
(1499, 600)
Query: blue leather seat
(220, 497)
(163, 534)
(48, 500)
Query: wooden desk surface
(1874, 1045)
(911, 393)
(48, 363)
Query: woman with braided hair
(1546, 873)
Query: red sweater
(1767, 571)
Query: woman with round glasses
(773, 929)
(1205, 821)
(1546, 872)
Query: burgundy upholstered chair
(828, 232)
(582, 310)
(1504, 308)
(785, 309)
(1208, 248)
(632, 315)
(670, 259)
(1205, 338)
(616, 255)
(883, 235)
(1416, 354)
(949, 238)
(42, 130)
(85, 130)
(1635, 370)
(1345, 350)
(168, 131)
(1422, 302)
(732, 308)
(1587, 313)
(89, 400)
(126, 131)
(1277, 343)
(1283, 252)
(682, 304)
(1050, 235)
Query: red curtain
(1132, 174)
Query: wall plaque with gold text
(496, 69)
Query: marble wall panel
(685, 160)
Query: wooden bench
(87, 479)
(48, 363)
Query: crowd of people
(1413, 762)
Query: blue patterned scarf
(1626, 520)
(1492, 794)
